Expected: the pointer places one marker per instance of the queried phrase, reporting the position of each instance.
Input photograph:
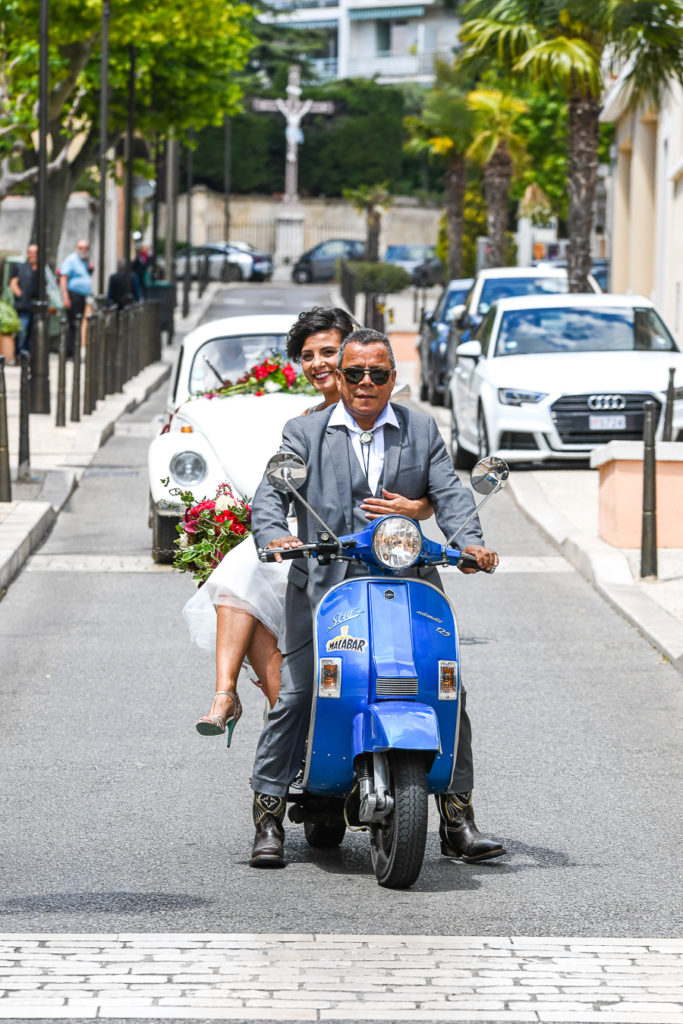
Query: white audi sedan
(206, 439)
(553, 376)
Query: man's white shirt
(342, 417)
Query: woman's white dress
(240, 581)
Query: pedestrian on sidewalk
(24, 286)
(75, 282)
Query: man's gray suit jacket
(416, 464)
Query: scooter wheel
(324, 836)
(398, 842)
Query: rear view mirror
(488, 474)
(286, 471)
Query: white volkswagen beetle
(206, 440)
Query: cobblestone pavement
(288, 977)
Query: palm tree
(500, 149)
(569, 46)
(444, 129)
(371, 200)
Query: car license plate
(607, 423)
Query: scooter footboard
(399, 725)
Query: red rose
(261, 371)
(259, 392)
(290, 374)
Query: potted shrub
(9, 326)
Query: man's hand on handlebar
(284, 542)
(486, 558)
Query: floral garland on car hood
(268, 377)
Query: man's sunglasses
(355, 374)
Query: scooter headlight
(397, 542)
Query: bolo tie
(366, 439)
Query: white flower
(222, 503)
(184, 541)
(272, 385)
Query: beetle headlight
(397, 542)
(188, 468)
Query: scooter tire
(325, 837)
(398, 842)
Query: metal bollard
(76, 379)
(24, 471)
(648, 548)
(118, 351)
(109, 351)
(124, 338)
(5, 478)
(87, 376)
(101, 355)
(60, 419)
(40, 361)
(667, 432)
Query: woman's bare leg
(234, 632)
(265, 659)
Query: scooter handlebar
(268, 554)
(468, 561)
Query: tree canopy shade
(186, 56)
(566, 47)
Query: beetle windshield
(230, 358)
(613, 329)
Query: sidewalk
(59, 455)
(563, 503)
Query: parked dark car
(428, 273)
(433, 341)
(320, 262)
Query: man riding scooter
(362, 446)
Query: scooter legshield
(383, 639)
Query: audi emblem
(604, 402)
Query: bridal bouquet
(208, 530)
(272, 375)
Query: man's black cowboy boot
(460, 837)
(269, 844)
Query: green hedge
(380, 278)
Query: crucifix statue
(294, 110)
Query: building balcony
(397, 65)
(325, 67)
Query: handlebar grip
(286, 553)
(468, 561)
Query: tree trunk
(373, 219)
(456, 176)
(497, 177)
(584, 136)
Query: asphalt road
(117, 816)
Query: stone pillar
(289, 233)
(621, 228)
(642, 208)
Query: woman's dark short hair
(366, 336)
(320, 318)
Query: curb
(605, 568)
(27, 525)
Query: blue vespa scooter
(386, 708)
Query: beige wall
(252, 219)
(647, 233)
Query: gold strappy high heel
(213, 725)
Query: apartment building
(396, 42)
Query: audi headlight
(511, 396)
(397, 542)
(188, 468)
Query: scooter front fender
(397, 725)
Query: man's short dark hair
(366, 336)
(320, 318)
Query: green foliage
(380, 278)
(9, 321)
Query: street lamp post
(40, 367)
(188, 235)
(128, 198)
(227, 184)
(104, 122)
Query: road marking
(136, 429)
(94, 563)
(319, 977)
